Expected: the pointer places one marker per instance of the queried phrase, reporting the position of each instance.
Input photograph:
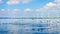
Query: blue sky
(32, 4)
(28, 8)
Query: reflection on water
(47, 26)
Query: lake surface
(28, 26)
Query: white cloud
(11, 2)
(27, 10)
(57, 1)
(51, 8)
(46, 7)
(54, 6)
(50, 4)
(40, 10)
(26, 1)
(2, 9)
(16, 10)
(1, 1)
(13, 12)
(8, 9)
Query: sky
(29, 8)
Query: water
(34, 27)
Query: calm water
(29, 28)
